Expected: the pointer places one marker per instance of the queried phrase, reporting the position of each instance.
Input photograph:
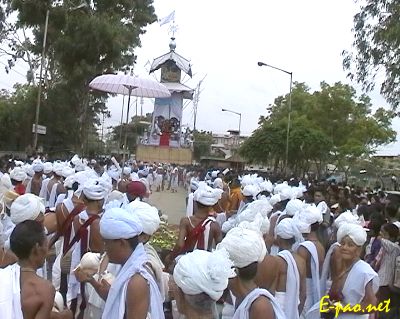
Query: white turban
(286, 229)
(37, 166)
(2, 238)
(275, 199)
(279, 187)
(127, 170)
(262, 206)
(18, 174)
(267, 186)
(346, 217)
(206, 272)
(114, 173)
(245, 246)
(78, 163)
(93, 190)
(206, 195)
(286, 193)
(218, 183)
(356, 233)
(115, 196)
(26, 207)
(148, 216)
(69, 181)
(194, 185)
(117, 223)
(47, 167)
(294, 206)
(253, 220)
(58, 168)
(250, 190)
(5, 184)
(67, 171)
(28, 170)
(214, 174)
(309, 215)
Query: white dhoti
(10, 293)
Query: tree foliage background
(376, 48)
(331, 125)
(83, 41)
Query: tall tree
(82, 42)
(332, 124)
(376, 48)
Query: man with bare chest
(36, 298)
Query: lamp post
(42, 60)
(290, 108)
(237, 113)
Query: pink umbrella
(129, 85)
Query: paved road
(171, 204)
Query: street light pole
(46, 25)
(289, 109)
(237, 113)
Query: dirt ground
(171, 204)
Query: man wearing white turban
(246, 248)
(150, 221)
(200, 231)
(35, 184)
(291, 283)
(308, 221)
(48, 172)
(201, 278)
(23, 293)
(87, 237)
(332, 265)
(53, 184)
(358, 283)
(18, 176)
(134, 291)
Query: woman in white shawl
(358, 282)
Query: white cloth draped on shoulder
(313, 286)
(292, 296)
(243, 311)
(326, 281)
(116, 300)
(10, 293)
(354, 288)
(189, 208)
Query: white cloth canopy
(129, 85)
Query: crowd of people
(75, 243)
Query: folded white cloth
(356, 232)
(244, 246)
(26, 207)
(206, 195)
(204, 272)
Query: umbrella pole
(122, 122)
(126, 128)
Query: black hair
(75, 186)
(249, 272)
(376, 222)
(314, 227)
(392, 230)
(200, 205)
(391, 209)
(25, 236)
(133, 242)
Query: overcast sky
(224, 39)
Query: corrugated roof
(180, 61)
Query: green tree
(136, 128)
(82, 43)
(329, 125)
(376, 48)
(202, 141)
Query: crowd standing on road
(74, 243)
